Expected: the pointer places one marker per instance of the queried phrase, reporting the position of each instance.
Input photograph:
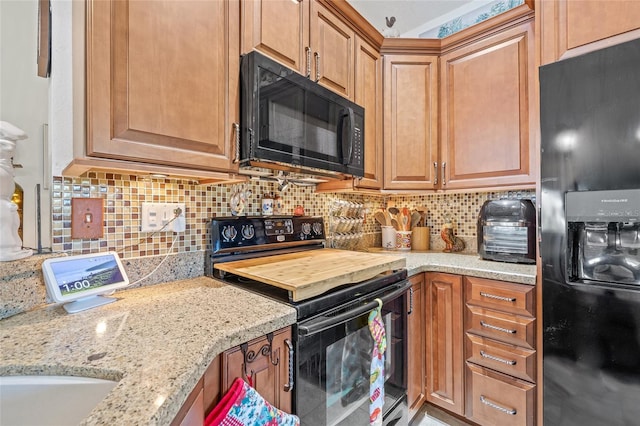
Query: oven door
(334, 359)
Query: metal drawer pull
(288, 387)
(495, 358)
(493, 296)
(435, 174)
(485, 401)
(495, 327)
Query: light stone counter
(156, 341)
(464, 264)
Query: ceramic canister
(403, 240)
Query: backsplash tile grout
(124, 194)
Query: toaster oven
(507, 231)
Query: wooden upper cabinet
(445, 362)
(570, 27)
(332, 44)
(410, 121)
(486, 102)
(279, 29)
(368, 94)
(162, 82)
(305, 36)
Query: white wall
(24, 102)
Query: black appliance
(331, 340)
(507, 231)
(293, 121)
(590, 249)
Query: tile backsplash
(123, 195)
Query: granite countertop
(464, 264)
(156, 341)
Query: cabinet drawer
(509, 359)
(506, 328)
(496, 399)
(500, 295)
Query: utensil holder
(420, 239)
(403, 240)
(388, 237)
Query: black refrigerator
(590, 243)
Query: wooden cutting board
(310, 273)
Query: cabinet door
(569, 28)
(162, 81)
(279, 29)
(410, 121)
(368, 81)
(445, 363)
(192, 411)
(487, 96)
(269, 370)
(416, 334)
(333, 45)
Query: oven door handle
(323, 323)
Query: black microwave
(288, 119)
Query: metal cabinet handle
(317, 56)
(307, 49)
(495, 358)
(288, 387)
(435, 172)
(493, 296)
(485, 401)
(444, 172)
(410, 301)
(495, 327)
(236, 159)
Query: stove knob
(248, 232)
(317, 228)
(306, 228)
(229, 233)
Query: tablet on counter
(81, 282)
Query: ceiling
(413, 16)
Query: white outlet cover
(156, 215)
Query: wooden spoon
(393, 210)
(381, 218)
(395, 224)
(415, 219)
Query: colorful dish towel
(242, 405)
(376, 386)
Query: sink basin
(49, 400)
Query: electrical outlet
(157, 215)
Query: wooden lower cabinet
(445, 362)
(416, 346)
(269, 371)
(498, 399)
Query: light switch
(86, 218)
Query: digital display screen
(86, 273)
(278, 227)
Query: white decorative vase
(10, 242)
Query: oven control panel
(241, 233)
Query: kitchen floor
(432, 416)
